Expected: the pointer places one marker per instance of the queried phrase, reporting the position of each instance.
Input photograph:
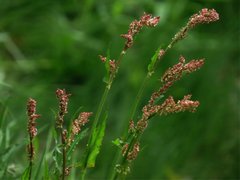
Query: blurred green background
(45, 45)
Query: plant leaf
(96, 142)
(118, 142)
(46, 171)
(26, 174)
(77, 139)
(153, 61)
(39, 169)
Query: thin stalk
(99, 111)
(31, 157)
(139, 96)
(63, 155)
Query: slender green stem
(99, 112)
(31, 157)
(139, 96)
(100, 108)
(63, 155)
(82, 176)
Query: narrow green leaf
(57, 158)
(3, 113)
(1, 138)
(153, 61)
(96, 142)
(75, 142)
(76, 113)
(44, 154)
(8, 152)
(26, 174)
(46, 171)
(55, 136)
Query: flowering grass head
(63, 98)
(204, 16)
(32, 116)
(135, 27)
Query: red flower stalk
(31, 110)
(77, 124)
(170, 106)
(204, 16)
(193, 65)
(176, 72)
(167, 107)
(173, 74)
(135, 27)
(32, 131)
(133, 153)
(131, 128)
(63, 98)
(113, 67)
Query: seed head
(204, 16)
(31, 110)
(135, 27)
(63, 98)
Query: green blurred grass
(59, 44)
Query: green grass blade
(26, 174)
(75, 143)
(39, 170)
(96, 143)
(46, 171)
(151, 65)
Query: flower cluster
(32, 130)
(112, 64)
(63, 98)
(175, 73)
(135, 27)
(82, 119)
(161, 53)
(31, 110)
(133, 153)
(204, 16)
(169, 105)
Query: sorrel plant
(66, 139)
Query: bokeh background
(45, 45)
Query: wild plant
(157, 105)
